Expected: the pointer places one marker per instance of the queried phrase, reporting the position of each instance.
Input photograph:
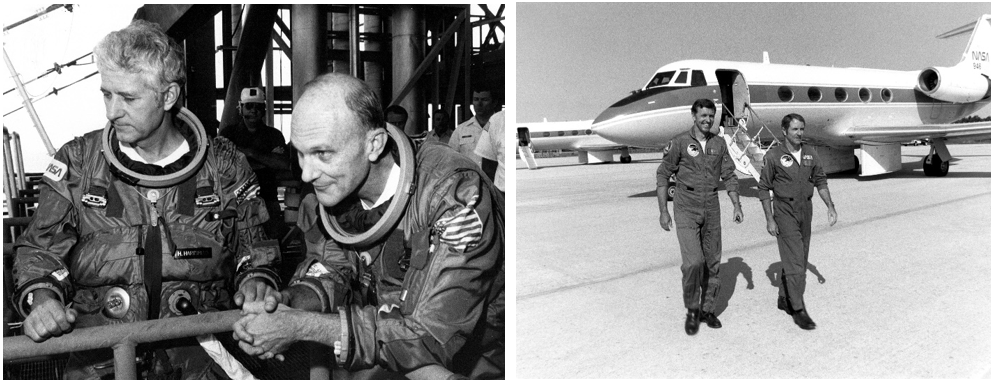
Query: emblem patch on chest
(693, 150)
(787, 161)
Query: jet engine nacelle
(954, 84)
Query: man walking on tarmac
(791, 172)
(700, 159)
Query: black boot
(710, 320)
(803, 320)
(783, 305)
(692, 322)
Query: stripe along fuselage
(832, 100)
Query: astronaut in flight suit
(700, 159)
(136, 216)
(791, 172)
(424, 292)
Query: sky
(575, 59)
(35, 47)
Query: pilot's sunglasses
(253, 106)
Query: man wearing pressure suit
(426, 293)
(141, 214)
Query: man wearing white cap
(264, 147)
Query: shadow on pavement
(728, 273)
(774, 274)
(911, 169)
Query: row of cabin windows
(563, 133)
(785, 94)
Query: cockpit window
(682, 77)
(661, 79)
(698, 79)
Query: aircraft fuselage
(832, 100)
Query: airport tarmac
(900, 287)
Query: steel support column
(269, 86)
(9, 184)
(407, 50)
(339, 24)
(354, 47)
(466, 41)
(309, 42)
(19, 162)
(201, 76)
(256, 37)
(374, 75)
(227, 39)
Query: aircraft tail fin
(977, 56)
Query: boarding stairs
(747, 148)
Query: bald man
(427, 295)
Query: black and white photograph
(255, 191)
(753, 190)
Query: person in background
(491, 147)
(466, 135)
(265, 148)
(397, 116)
(441, 131)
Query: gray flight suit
(696, 211)
(792, 181)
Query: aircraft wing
(898, 134)
(598, 147)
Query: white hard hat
(252, 95)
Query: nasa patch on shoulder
(56, 170)
(787, 161)
(693, 150)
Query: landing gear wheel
(625, 159)
(932, 165)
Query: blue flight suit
(696, 211)
(792, 180)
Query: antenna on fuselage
(767, 58)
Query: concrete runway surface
(903, 290)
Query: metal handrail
(123, 338)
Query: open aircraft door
(744, 143)
(525, 148)
(735, 97)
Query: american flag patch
(463, 229)
(317, 270)
(247, 191)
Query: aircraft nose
(608, 123)
(648, 118)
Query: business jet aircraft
(844, 108)
(575, 136)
